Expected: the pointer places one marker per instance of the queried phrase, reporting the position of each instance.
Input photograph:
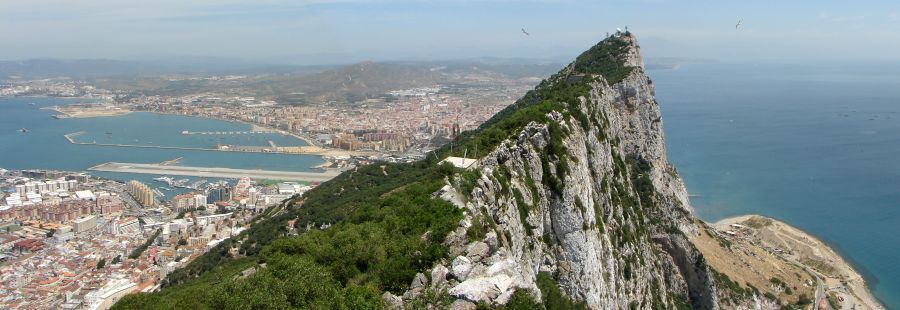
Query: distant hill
(126, 69)
(81, 68)
(371, 79)
(355, 82)
(285, 83)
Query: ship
(23, 130)
(181, 184)
(164, 179)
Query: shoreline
(312, 148)
(253, 126)
(836, 277)
(309, 149)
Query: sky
(331, 31)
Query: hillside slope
(573, 204)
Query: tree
(803, 300)
(182, 241)
(117, 259)
(101, 263)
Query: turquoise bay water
(43, 146)
(815, 146)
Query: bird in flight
(525, 32)
(739, 23)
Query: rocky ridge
(588, 199)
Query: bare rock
(461, 304)
(418, 281)
(392, 302)
(477, 251)
(461, 267)
(476, 290)
(491, 240)
(439, 275)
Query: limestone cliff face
(605, 218)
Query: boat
(198, 184)
(32, 103)
(109, 133)
(164, 179)
(23, 130)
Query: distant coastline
(312, 146)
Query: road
(216, 172)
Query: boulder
(392, 302)
(439, 275)
(491, 240)
(477, 251)
(476, 290)
(418, 281)
(461, 267)
(461, 304)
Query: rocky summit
(567, 201)
(585, 199)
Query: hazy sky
(275, 29)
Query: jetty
(70, 137)
(207, 172)
(171, 161)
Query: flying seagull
(525, 32)
(739, 23)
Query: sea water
(814, 145)
(43, 146)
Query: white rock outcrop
(586, 217)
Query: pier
(205, 172)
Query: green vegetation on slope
(383, 236)
(386, 225)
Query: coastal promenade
(216, 172)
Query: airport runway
(216, 172)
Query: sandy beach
(836, 281)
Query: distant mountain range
(105, 68)
(285, 83)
